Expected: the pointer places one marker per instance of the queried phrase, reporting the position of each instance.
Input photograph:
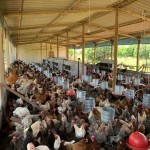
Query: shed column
(74, 52)
(83, 47)
(115, 51)
(95, 53)
(67, 47)
(57, 47)
(112, 47)
(2, 102)
(138, 54)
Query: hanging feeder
(146, 100)
(65, 85)
(129, 94)
(87, 78)
(119, 89)
(107, 114)
(127, 79)
(60, 80)
(138, 141)
(95, 82)
(103, 72)
(137, 81)
(71, 92)
(81, 95)
(104, 85)
(89, 104)
(120, 77)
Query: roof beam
(33, 13)
(39, 26)
(134, 14)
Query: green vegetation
(126, 54)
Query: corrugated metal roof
(55, 17)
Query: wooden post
(41, 52)
(74, 52)
(67, 47)
(46, 50)
(115, 51)
(83, 47)
(57, 47)
(95, 53)
(2, 101)
(112, 47)
(138, 54)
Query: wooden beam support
(33, 13)
(138, 54)
(74, 52)
(57, 47)
(83, 47)
(115, 50)
(41, 52)
(95, 47)
(67, 47)
(112, 49)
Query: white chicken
(36, 127)
(79, 132)
(30, 146)
(21, 112)
(45, 107)
(57, 141)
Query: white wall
(32, 52)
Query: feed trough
(146, 100)
(89, 104)
(107, 114)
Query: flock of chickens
(56, 121)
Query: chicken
(45, 107)
(21, 112)
(79, 132)
(57, 141)
(30, 146)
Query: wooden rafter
(56, 11)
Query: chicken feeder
(119, 89)
(107, 114)
(89, 104)
(146, 100)
(87, 78)
(138, 141)
(137, 81)
(127, 79)
(120, 77)
(95, 82)
(71, 92)
(103, 73)
(97, 71)
(60, 80)
(65, 85)
(129, 94)
(81, 95)
(104, 85)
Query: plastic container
(89, 104)
(107, 114)
(146, 100)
